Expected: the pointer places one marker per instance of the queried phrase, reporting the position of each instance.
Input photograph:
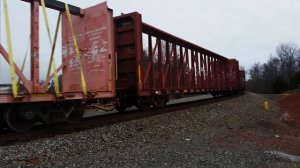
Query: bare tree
(255, 83)
(287, 54)
(270, 73)
(256, 71)
(298, 60)
(281, 72)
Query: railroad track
(42, 131)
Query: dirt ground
(291, 106)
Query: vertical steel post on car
(139, 49)
(151, 61)
(201, 71)
(160, 68)
(175, 84)
(181, 69)
(215, 72)
(226, 74)
(187, 70)
(209, 71)
(34, 59)
(197, 70)
(212, 72)
(206, 72)
(219, 74)
(213, 67)
(192, 76)
(167, 80)
(223, 73)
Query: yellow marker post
(266, 105)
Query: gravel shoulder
(232, 133)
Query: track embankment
(235, 132)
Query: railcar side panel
(233, 74)
(128, 49)
(242, 79)
(95, 36)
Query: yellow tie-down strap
(23, 64)
(83, 82)
(10, 51)
(52, 60)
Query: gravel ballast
(232, 133)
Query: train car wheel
(75, 113)
(120, 105)
(161, 101)
(145, 106)
(120, 109)
(20, 119)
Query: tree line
(280, 73)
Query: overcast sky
(248, 30)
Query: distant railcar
(153, 64)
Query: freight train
(109, 59)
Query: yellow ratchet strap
(46, 20)
(54, 45)
(56, 81)
(52, 61)
(83, 82)
(10, 51)
(23, 64)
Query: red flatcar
(106, 59)
(88, 69)
(153, 64)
